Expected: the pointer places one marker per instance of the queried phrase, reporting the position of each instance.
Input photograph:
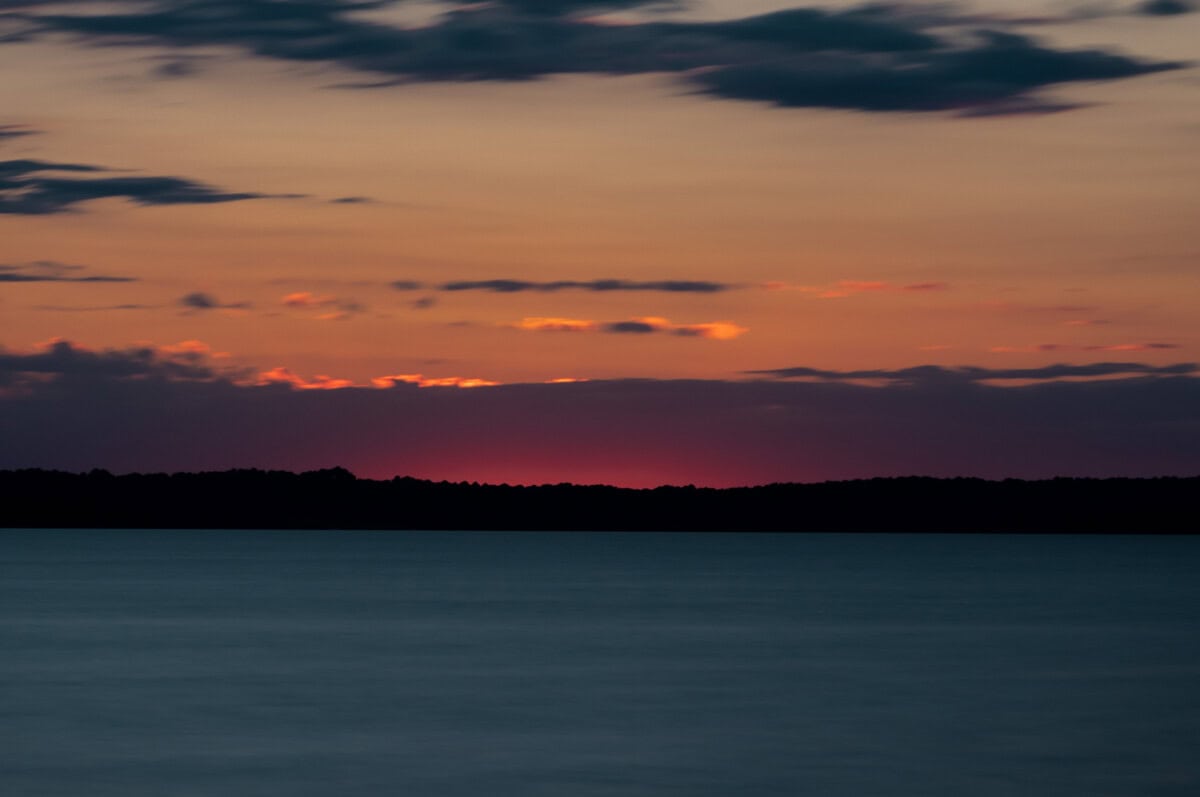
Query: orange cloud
(281, 375)
(420, 380)
(189, 350)
(338, 309)
(192, 347)
(304, 299)
(391, 380)
(539, 324)
(713, 330)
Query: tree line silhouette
(335, 499)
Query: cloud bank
(154, 409)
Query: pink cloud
(711, 330)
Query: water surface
(190, 664)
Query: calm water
(179, 664)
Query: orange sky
(841, 238)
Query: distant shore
(336, 499)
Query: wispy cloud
(98, 308)
(1028, 349)
(53, 271)
(594, 286)
(848, 287)
(36, 187)
(1134, 347)
(16, 131)
(1048, 347)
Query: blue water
(181, 664)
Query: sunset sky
(716, 242)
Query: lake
(484, 664)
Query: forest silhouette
(335, 499)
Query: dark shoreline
(335, 499)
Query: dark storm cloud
(1166, 8)
(199, 301)
(595, 286)
(1000, 68)
(877, 58)
(805, 29)
(36, 187)
(559, 8)
(51, 271)
(966, 374)
(128, 410)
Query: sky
(530, 241)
